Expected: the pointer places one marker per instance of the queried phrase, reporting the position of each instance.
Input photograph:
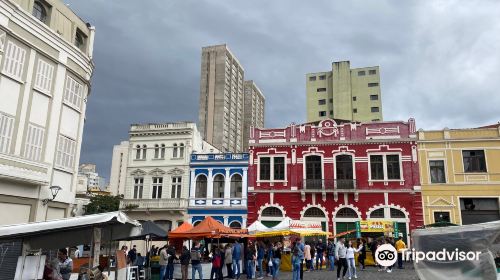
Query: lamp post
(54, 190)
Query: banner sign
(376, 226)
(305, 225)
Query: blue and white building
(218, 188)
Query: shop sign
(296, 224)
(376, 226)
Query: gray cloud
(439, 59)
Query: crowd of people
(263, 258)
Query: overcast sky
(439, 60)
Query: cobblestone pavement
(370, 273)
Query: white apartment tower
(254, 110)
(221, 98)
(45, 70)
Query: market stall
(39, 237)
(287, 231)
(210, 231)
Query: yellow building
(460, 174)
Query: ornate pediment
(138, 172)
(175, 171)
(157, 172)
(441, 202)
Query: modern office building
(254, 110)
(221, 98)
(157, 171)
(89, 179)
(460, 174)
(218, 188)
(344, 93)
(45, 70)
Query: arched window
(196, 223)
(235, 225)
(138, 152)
(379, 213)
(164, 224)
(314, 212)
(395, 213)
(201, 187)
(236, 186)
(157, 150)
(181, 150)
(39, 11)
(174, 152)
(346, 213)
(272, 212)
(218, 186)
(144, 150)
(162, 150)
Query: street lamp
(54, 190)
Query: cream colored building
(254, 109)
(460, 174)
(156, 183)
(344, 93)
(45, 70)
(118, 173)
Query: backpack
(217, 261)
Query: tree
(102, 204)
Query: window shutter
(44, 74)
(6, 129)
(34, 143)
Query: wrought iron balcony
(159, 204)
(329, 184)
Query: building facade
(157, 172)
(221, 98)
(89, 179)
(45, 71)
(254, 109)
(344, 93)
(118, 173)
(218, 188)
(337, 174)
(460, 175)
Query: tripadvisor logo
(387, 255)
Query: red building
(336, 173)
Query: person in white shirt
(77, 253)
(351, 265)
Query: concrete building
(344, 93)
(118, 172)
(460, 174)
(254, 107)
(45, 70)
(87, 173)
(157, 171)
(221, 98)
(218, 188)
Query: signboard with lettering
(376, 226)
(296, 224)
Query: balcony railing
(329, 184)
(161, 203)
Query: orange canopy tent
(182, 228)
(208, 228)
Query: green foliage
(103, 204)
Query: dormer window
(40, 11)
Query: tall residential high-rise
(221, 99)
(118, 172)
(344, 93)
(254, 110)
(45, 70)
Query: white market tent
(72, 231)
(257, 227)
